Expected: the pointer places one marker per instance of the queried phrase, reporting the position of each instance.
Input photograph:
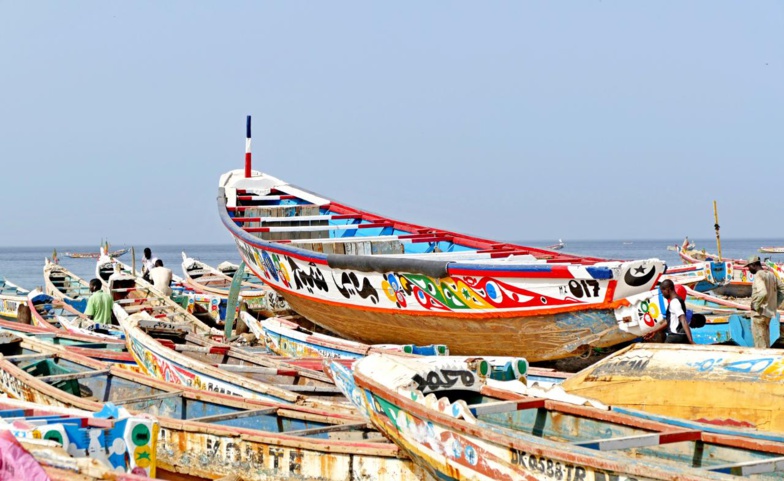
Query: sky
(506, 120)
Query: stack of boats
(368, 348)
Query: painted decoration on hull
(469, 294)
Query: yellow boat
(724, 385)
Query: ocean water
(24, 265)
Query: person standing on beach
(99, 306)
(678, 331)
(767, 292)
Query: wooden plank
(257, 370)
(505, 406)
(29, 357)
(311, 389)
(327, 429)
(151, 397)
(641, 440)
(747, 468)
(74, 375)
(236, 415)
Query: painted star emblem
(640, 270)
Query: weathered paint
(691, 382)
(552, 440)
(215, 450)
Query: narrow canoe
(289, 339)
(772, 250)
(460, 426)
(113, 437)
(50, 313)
(379, 281)
(741, 278)
(96, 255)
(107, 350)
(692, 382)
(205, 434)
(61, 283)
(13, 301)
(192, 360)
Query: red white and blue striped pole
(247, 149)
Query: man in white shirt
(148, 263)
(161, 278)
(678, 331)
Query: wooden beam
(757, 466)
(235, 415)
(311, 389)
(151, 397)
(505, 406)
(74, 375)
(641, 440)
(326, 429)
(29, 357)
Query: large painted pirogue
(209, 435)
(377, 280)
(725, 385)
(460, 425)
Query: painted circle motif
(493, 291)
(143, 456)
(470, 455)
(54, 436)
(653, 310)
(648, 320)
(644, 305)
(140, 435)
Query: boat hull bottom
(537, 338)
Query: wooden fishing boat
(740, 277)
(556, 247)
(702, 383)
(205, 279)
(209, 435)
(646, 314)
(61, 283)
(102, 349)
(169, 352)
(289, 339)
(55, 314)
(133, 294)
(772, 250)
(112, 437)
(459, 425)
(96, 255)
(13, 301)
(379, 281)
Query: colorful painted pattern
(470, 294)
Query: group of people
(99, 306)
(767, 293)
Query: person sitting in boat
(161, 278)
(148, 263)
(99, 306)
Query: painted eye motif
(493, 291)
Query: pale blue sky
(509, 120)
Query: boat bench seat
(641, 440)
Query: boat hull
(534, 337)
(700, 383)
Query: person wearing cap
(767, 292)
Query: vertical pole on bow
(247, 148)
(716, 226)
(233, 302)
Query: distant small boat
(772, 250)
(94, 255)
(555, 247)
